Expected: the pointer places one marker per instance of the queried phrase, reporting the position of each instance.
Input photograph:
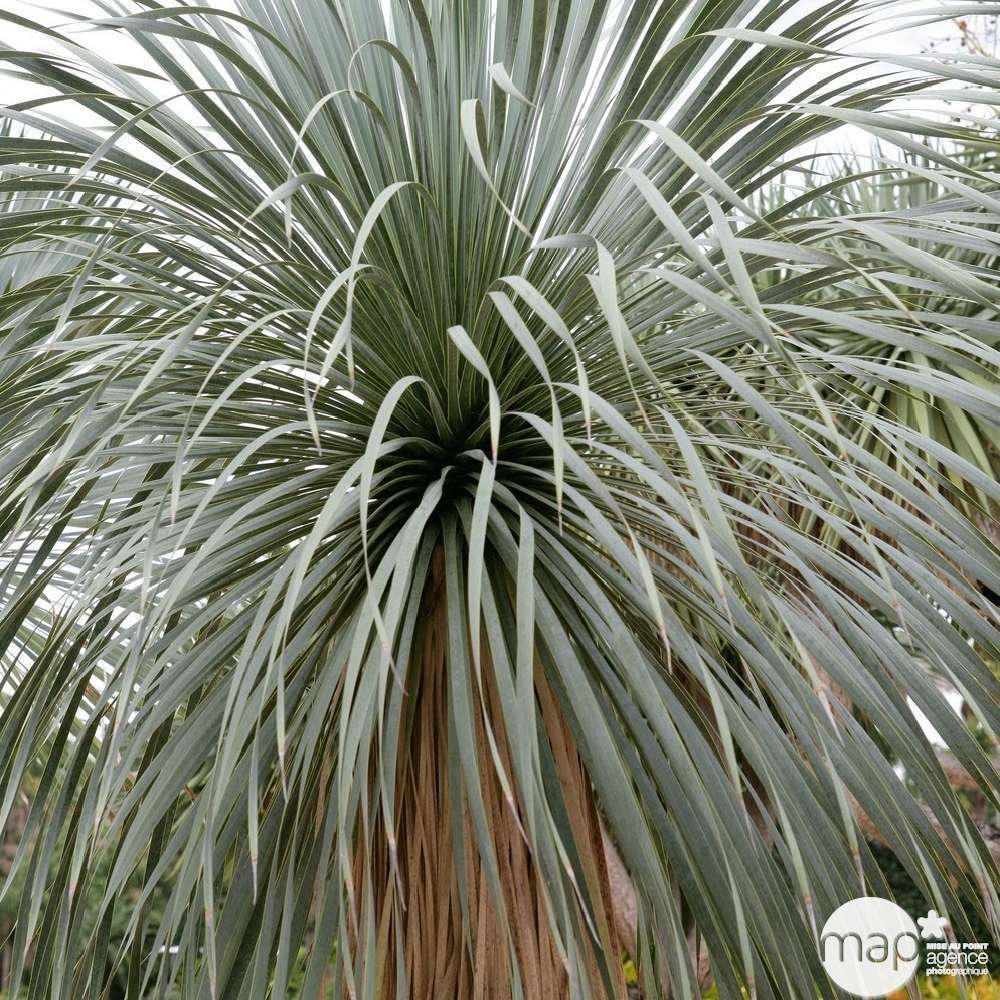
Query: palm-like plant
(918, 194)
(421, 478)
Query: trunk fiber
(448, 955)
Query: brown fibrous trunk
(420, 921)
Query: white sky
(117, 46)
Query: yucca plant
(431, 517)
(922, 190)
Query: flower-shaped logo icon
(933, 925)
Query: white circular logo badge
(870, 947)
